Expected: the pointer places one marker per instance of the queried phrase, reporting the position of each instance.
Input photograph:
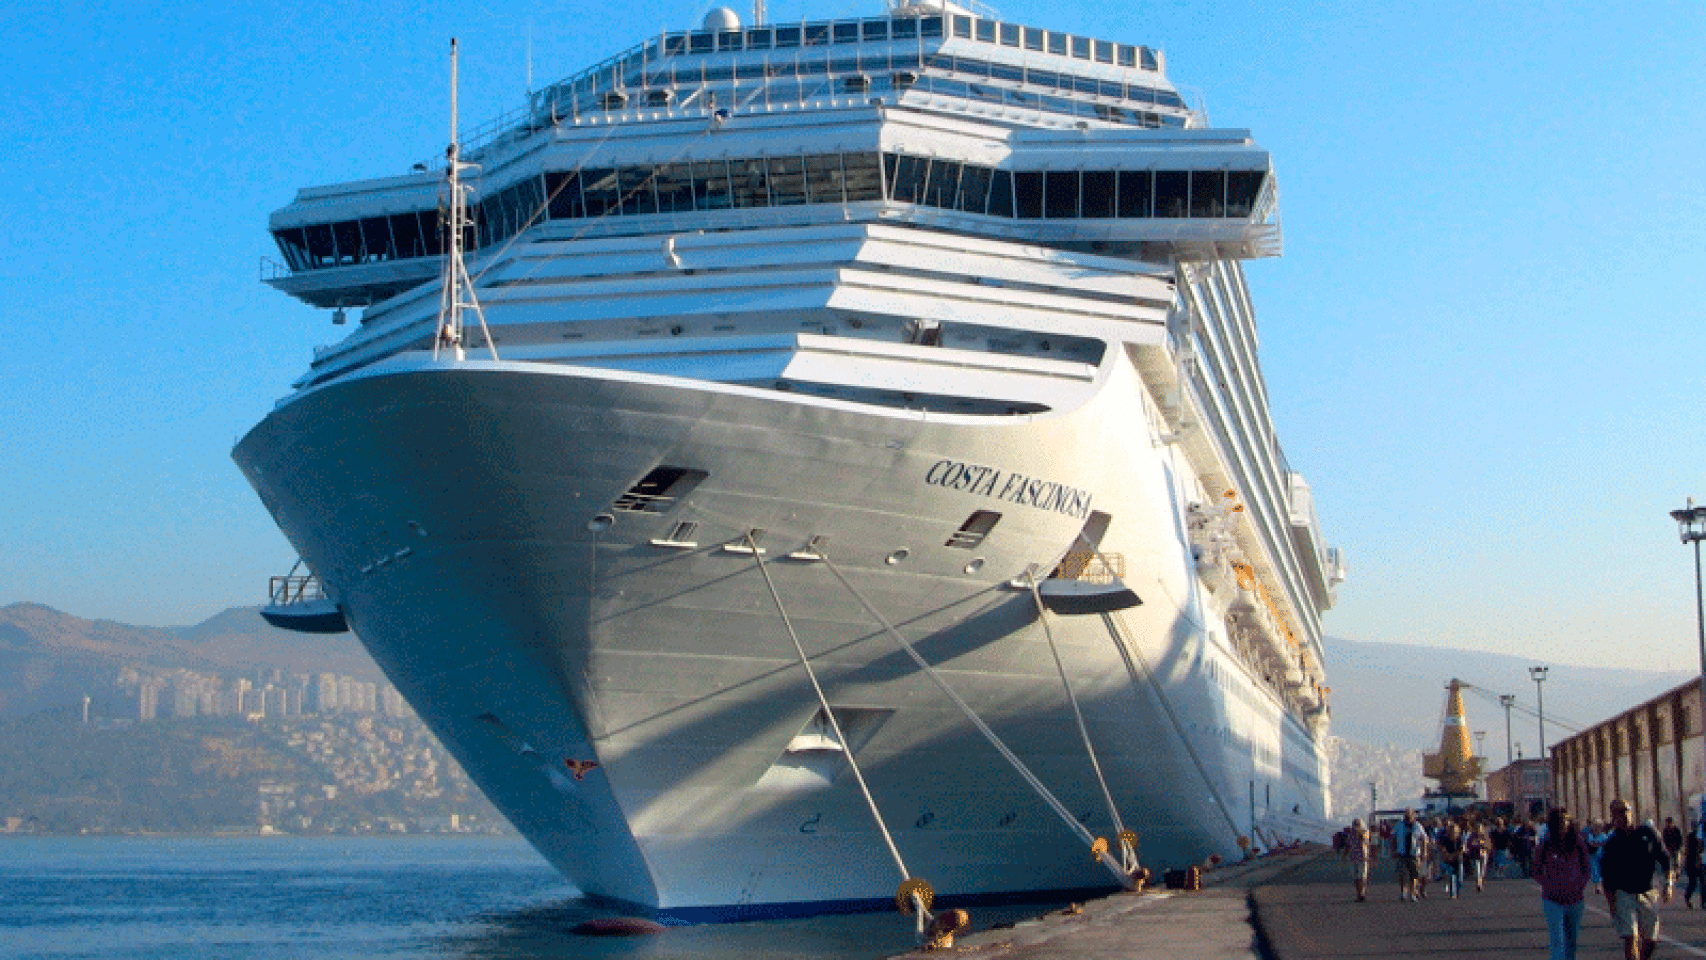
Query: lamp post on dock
(1506, 700)
(1539, 675)
(1691, 526)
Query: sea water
(331, 898)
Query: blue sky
(1484, 343)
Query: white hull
(451, 503)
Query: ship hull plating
(625, 688)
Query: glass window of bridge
(972, 196)
(904, 28)
(635, 184)
(1009, 34)
(817, 35)
(1149, 59)
(747, 186)
(760, 38)
(847, 32)
(1127, 55)
(862, 174)
(823, 179)
(1134, 193)
(674, 187)
(1033, 38)
(675, 44)
(1242, 189)
(703, 42)
(1001, 193)
(294, 246)
(564, 189)
(1028, 193)
(1081, 47)
(787, 37)
(874, 29)
(376, 239)
(962, 25)
(1098, 194)
(406, 233)
(906, 178)
(787, 181)
(1172, 193)
(711, 185)
(347, 235)
(1057, 43)
(986, 31)
(1060, 192)
(942, 182)
(1104, 51)
(731, 40)
(599, 192)
(1208, 193)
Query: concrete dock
(1301, 907)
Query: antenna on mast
(457, 294)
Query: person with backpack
(1562, 866)
(1627, 862)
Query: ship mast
(457, 294)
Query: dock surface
(1302, 907)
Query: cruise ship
(794, 467)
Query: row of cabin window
(1072, 194)
(712, 185)
(904, 28)
(672, 74)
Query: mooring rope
(1077, 714)
(1065, 815)
(823, 701)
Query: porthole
(897, 556)
(974, 566)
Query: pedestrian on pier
(1409, 849)
(1501, 840)
(1562, 866)
(1630, 858)
(1692, 848)
(1596, 837)
(1673, 845)
(1476, 849)
(1359, 846)
(1450, 848)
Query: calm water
(287, 898)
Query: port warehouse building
(1652, 756)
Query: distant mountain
(1394, 694)
(49, 659)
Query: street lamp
(1506, 700)
(1691, 525)
(1539, 675)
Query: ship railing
(1091, 566)
(273, 270)
(295, 588)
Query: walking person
(1451, 858)
(1501, 839)
(1692, 848)
(1627, 863)
(1475, 852)
(1409, 844)
(1357, 849)
(1672, 835)
(1562, 866)
(1596, 837)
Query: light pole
(1691, 526)
(1505, 700)
(1539, 675)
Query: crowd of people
(1618, 857)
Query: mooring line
(1100, 849)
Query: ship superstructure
(921, 340)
